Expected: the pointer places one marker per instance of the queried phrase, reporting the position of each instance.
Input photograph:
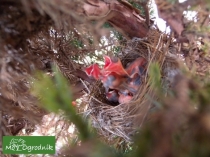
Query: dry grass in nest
(123, 120)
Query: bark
(121, 15)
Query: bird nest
(124, 119)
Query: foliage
(155, 77)
(55, 94)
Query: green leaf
(55, 95)
(155, 76)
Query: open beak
(113, 65)
(93, 71)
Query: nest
(124, 120)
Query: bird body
(114, 81)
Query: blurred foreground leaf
(155, 76)
(55, 95)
